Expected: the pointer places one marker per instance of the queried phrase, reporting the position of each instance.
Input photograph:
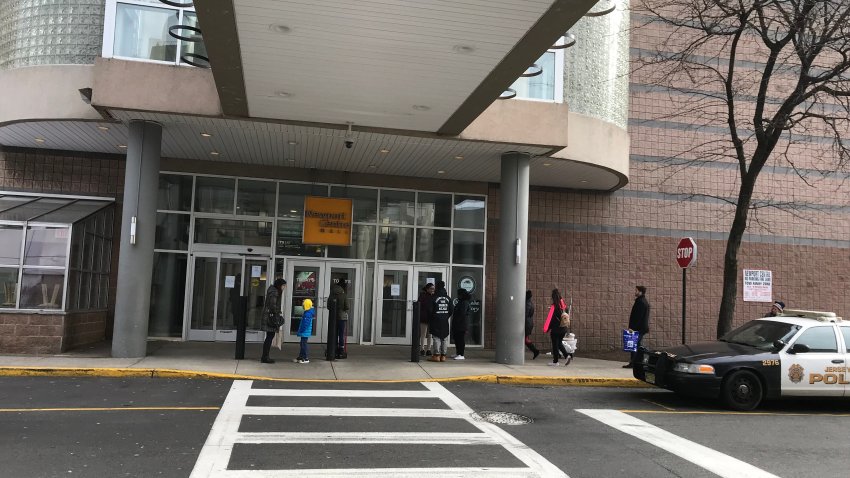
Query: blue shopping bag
(630, 340)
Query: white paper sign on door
(256, 271)
(430, 280)
(395, 290)
(758, 285)
(229, 282)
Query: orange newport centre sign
(327, 221)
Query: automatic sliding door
(348, 276)
(256, 284)
(395, 306)
(204, 278)
(229, 290)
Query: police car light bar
(811, 314)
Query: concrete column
(513, 260)
(135, 261)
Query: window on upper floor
(139, 30)
(547, 86)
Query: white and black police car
(797, 353)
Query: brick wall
(31, 333)
(82, 328)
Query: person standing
(460, 323)
(272, 316)
(305, 330)
(426, 308)
(438, 325)
(338, 294)
(639, 319)
(529, 325)
(776, 309)
(557, 332)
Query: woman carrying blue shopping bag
(638, 320)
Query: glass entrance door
(309, 279)
(401, 286)
(218, 282)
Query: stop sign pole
(686, 256)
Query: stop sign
(686, 252)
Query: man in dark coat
(338, 294)
(438, 325)
(460, 323)
(639, 319)
(271, 316)
(529, 325)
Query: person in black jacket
(529, 324)
(426, 308)
(556, 332)
(438, 325)
(639, 319)
(460, 323)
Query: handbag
(275, 320)
(564, 319)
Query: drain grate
(501, 418)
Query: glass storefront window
(46, 246)
(10, 244)
(397, 207)
(172, 231)
(471, 279)
(142, 32)
(235, 232)
(469, 212)
(289, 234)
(395, 244)
(175, 192)
(291, 198)
(433, 245)
(434, 210)
(8, 287)
(365, 201)
(468, 247)
(362, 244)
(42, 288)
(214, 195)
(168, 291)
(255, 198)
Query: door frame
(413, 271)
(216, 334)
(323, 291)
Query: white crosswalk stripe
(215, 456)
(712, 460)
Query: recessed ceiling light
(206, 135)
(583, 181)
(122, 146)
(214, 153)
(463, 49)
(441, 172)
(372, 166)
(39, 140)
(103, 128)
(277, 28)
(283, 94)
(421, 107)
(547, 164)
(458, 157)
(291, 160)
(292, 143)
(384, 150)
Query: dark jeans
(340, 336)
(460, 341)
(267, 344)
(303, 350)
(634, 354)
(558, 345)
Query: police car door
(845, 333)
(814, 372)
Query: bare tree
(773, 73)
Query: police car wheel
(742, 391)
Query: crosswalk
(447, 441)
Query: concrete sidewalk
(381, 363)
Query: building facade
(222, 159)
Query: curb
(194, 374)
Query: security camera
(349, 137)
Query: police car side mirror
(799, 349)
(778, 345)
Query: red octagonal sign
(686, 252)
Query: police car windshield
(761, 334)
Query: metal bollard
(414, 334)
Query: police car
(797, 353)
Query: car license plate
(650, 377)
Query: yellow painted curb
(194, 374)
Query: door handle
(837, 361)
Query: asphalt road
(104, 427)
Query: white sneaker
(459, 357)
(553, 364)
(304, 361)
